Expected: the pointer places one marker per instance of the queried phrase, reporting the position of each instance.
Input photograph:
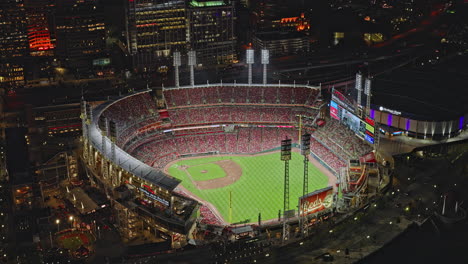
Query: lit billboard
(347, 118)
(317, 201)
(369, 139)
(342, 110)
(370, 130)
(342, 100)
(334, 110)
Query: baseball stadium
(211, 154)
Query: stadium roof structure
(435, 92)
(122, 158)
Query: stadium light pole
(265, 62)
(250, 61)
(305, 151)
(192, 61)
(177, 63)
(286, 157)
(358, 87)
(367, 92)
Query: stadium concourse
(157, 129)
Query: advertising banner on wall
(317, 201)
(334, 110)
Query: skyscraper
(210, 31)
(13, 37)
(38, 26)
(156, 28)
(13, 43)
(80, 33)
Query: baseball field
(254, 182)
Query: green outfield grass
(204, 172)
(260, 188)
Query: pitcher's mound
(233, 173)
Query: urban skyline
(225, 131)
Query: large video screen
(363, 128)
(350, 120)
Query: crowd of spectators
(341, 140)
(162, 149)
(299, 95)
(139, 110)
(239, 114)
(207, 216)
(131, 109)
(333, 143)
(327, 156)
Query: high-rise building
(267, 11)
(80, 33)
(156, 28)
(281, 43)
(13, 36)
(11, 73)
(210, 31)
(13, 43)
(38, 13)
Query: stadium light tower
(305, 151)
(358, 86)
(177, 63)
(367, 92)
(286, 157)
(250, 61)
(265, 62)
(192, 61)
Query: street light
(72, 220)
(58, 224)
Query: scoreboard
(363, 128)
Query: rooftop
(435, 92)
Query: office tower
(13, 43)
(267, 13)
(13, 37)
(38, 19)
(156, 28)
(210, 31)
(80, 33)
